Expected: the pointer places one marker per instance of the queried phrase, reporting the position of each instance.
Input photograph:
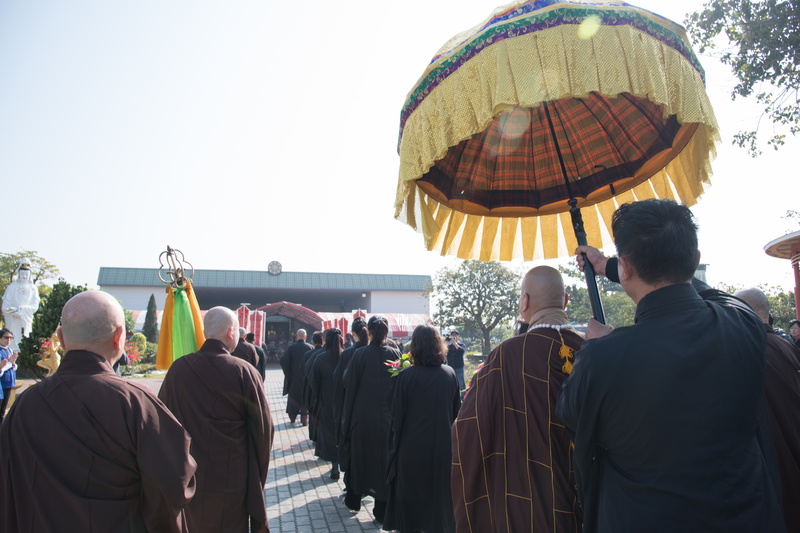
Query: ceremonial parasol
(181, 324)
(546, 115)
(788, 247)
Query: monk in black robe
(260, 354)
(220, 401)
(367, 418)
(512, 460)
(426, 401)
(87, 450)
(321, 384)
(359, 334)
(308, 393)
(294, 377)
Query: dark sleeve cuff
(612, 272)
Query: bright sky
(249, 131)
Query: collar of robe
(84, 361)
(549, 315)
(668, 300)
(214, 346)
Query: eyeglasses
(8, 336)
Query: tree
(45, 322)
(41, 270)
(765, 41)
(793, 217)
(617, 306)
(130, 322)
(477, 297)
(150, 328)
(620, 309)
(781, 305)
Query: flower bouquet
(398, 365)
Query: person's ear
(524, 302)
(624, 270)
(566, 300)
(60, 336)
(697, 260)
(118, 338)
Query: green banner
(183, 337)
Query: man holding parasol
(665, 414)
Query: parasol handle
(588, 269)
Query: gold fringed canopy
(545, 101)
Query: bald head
(301, 334)
(757, 300)
(542, 287)
(93, 321)
(220, 323)
(242, 332)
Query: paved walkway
(300, 496)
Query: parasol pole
(588, 269)
(577, 225)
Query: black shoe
(335, 474)
(352, 501)
(379, 510)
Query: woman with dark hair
(358, 331)
(321, 384)
(366, 418)
(426, 402)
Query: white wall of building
(399, 302)
(136, 298)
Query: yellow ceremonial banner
(164, 353)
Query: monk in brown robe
(87, 450)
(244, 350)
(782, 390)
(512, 461)
(220, 401)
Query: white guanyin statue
(20, 302)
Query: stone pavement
(300, 496)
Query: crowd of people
(686, 420)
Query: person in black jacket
(794, 331)
(367, 418)
(262, 357)
(455, 358)
(666, 414)
(294, 377)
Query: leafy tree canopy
(762, 51)
(476, 297)
(618, 307)
(130, 322)
(781, 302)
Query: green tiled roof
(148, 277)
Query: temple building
(274, 303)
